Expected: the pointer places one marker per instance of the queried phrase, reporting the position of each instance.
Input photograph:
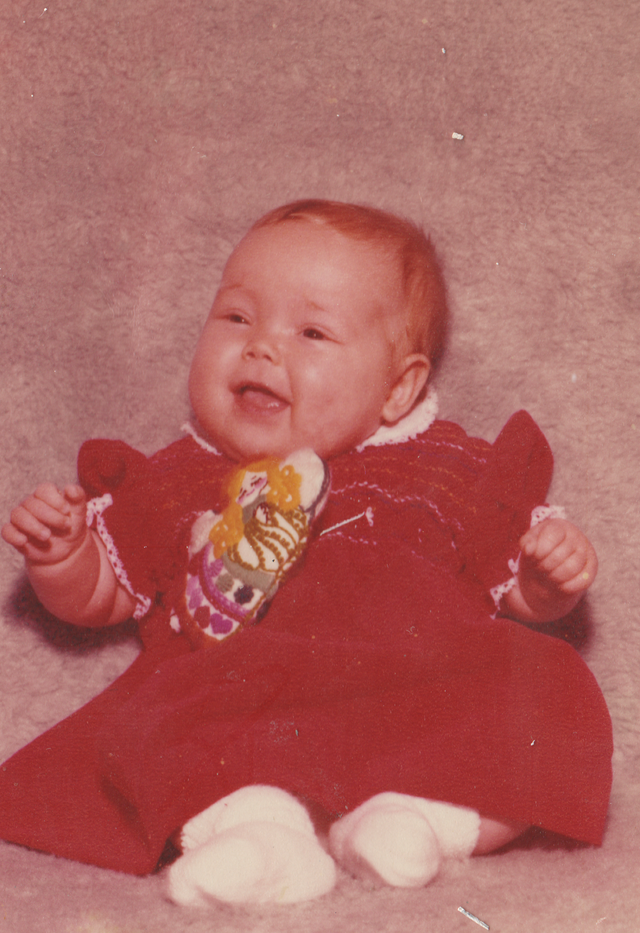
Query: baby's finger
(48, 515)
(49, 493)
(577, 584)
(529, 541)
(563, 553)
(14, 537)
(74, 494)
(568, 569)
(27, 523)
(586, 564)
(541, 540)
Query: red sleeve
(132, 525)
(515, 481)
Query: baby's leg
(257, 845)
(402, 840)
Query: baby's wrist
(65, 587)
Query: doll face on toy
(299, 349)
(252, 485)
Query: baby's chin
(249, 449)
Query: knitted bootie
(239, 558)
(257, 845)
(400, 840)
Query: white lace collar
(416, 422)
(189, 428)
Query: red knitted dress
(380, 664)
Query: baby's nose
(262, 346)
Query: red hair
(422, 278)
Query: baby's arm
(66, 561)
(557, 566)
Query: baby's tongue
(261, 399)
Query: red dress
(380, 664)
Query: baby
(385, 683)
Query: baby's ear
(408, 386)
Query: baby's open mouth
(259, 398)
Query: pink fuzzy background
(138, 139)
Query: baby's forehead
(323, 262)
(277, 238)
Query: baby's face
(298, 350)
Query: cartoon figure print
(238, 559)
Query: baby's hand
(49, 525)
(557, 565)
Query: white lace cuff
(542, 512)
(95, 510)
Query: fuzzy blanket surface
(138, 140)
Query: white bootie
(257, 845)
(401, 840)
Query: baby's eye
(313, 333)
(236, 318)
